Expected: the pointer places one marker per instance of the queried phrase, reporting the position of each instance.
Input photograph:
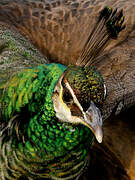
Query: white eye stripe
(74, 96)
(105, 91)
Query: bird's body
(43, 141)
(40, 139)
(52, 149)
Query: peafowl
(50, 112)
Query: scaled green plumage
(42, 138)
(87, 84)
(32, 84)
(34, 142)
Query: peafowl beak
(93, 120)
(73, 112)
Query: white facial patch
(62, 110)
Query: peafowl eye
(75, 94)
(51, 112)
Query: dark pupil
(85, 106)
(67, 98)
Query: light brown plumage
(59, 29)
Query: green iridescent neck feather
(31, 87)
(34, 143)
(40, 136)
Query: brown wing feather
(59, 29)
(118, 70)
(115, 157)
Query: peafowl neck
(44, 128)
(40, 138)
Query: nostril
(89, 117)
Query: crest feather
(108, 26)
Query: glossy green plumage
(30, 87)
(41, 137)
(33, 142)
(87, 84)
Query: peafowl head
(80, 92)
(78, 96)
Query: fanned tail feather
(108, 26)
